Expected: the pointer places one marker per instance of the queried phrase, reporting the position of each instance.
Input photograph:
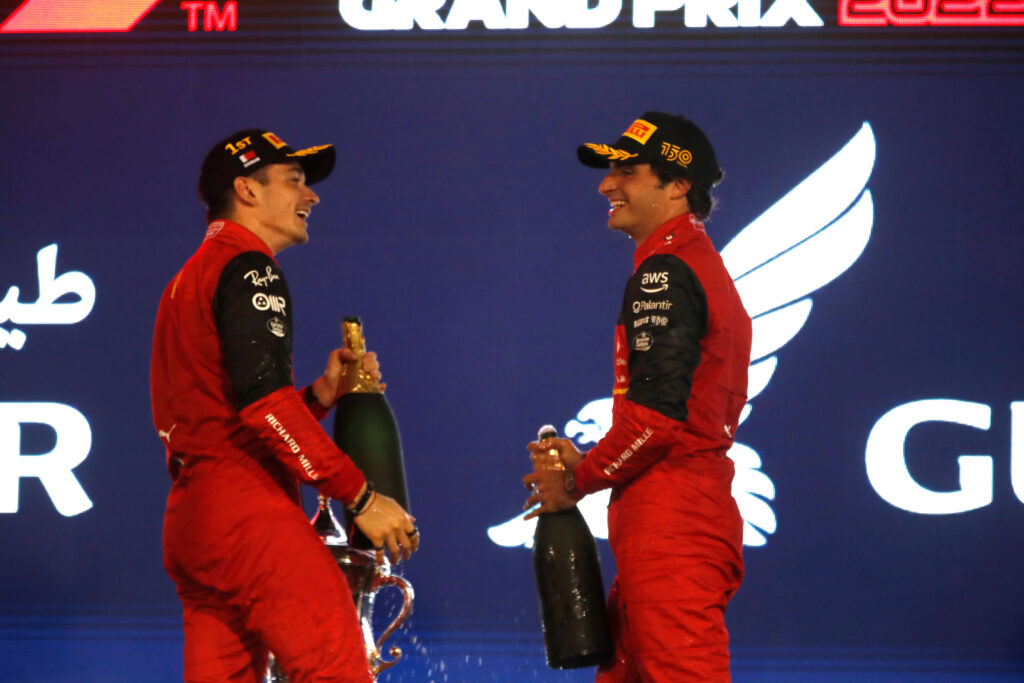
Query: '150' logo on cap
(671, 152)
(641, 131)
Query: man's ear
(680, 186)
(242, 187)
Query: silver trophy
(365, 577)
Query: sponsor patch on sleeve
(269, 302)
(276, 327)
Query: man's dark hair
(226, 204)
(699, 198)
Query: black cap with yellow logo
(247, 151)
(657, 136)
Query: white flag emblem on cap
(248, 158)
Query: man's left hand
(548, 489)
(339, 376)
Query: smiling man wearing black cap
(682, 347)
(252, 574)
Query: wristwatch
(570, 483)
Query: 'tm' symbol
(214, 19)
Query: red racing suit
(250, 571)
(682, 349)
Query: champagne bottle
(365, 428)
(572, 602)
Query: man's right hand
(389, 527)
(567, 451)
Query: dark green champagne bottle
(365, 428)
(569, 585)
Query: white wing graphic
(801, 243)
(804, 241)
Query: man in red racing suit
(682, 348)
(251, 573)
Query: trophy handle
(381, 579)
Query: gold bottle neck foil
(362, 383)
(550, 460)
(547, 461)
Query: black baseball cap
(247, 151)
(657, 136)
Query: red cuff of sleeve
(286, 426)
(313, 403)
(585, 478)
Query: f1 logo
(53, 469)
(85, 16)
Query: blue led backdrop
(871, 212)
